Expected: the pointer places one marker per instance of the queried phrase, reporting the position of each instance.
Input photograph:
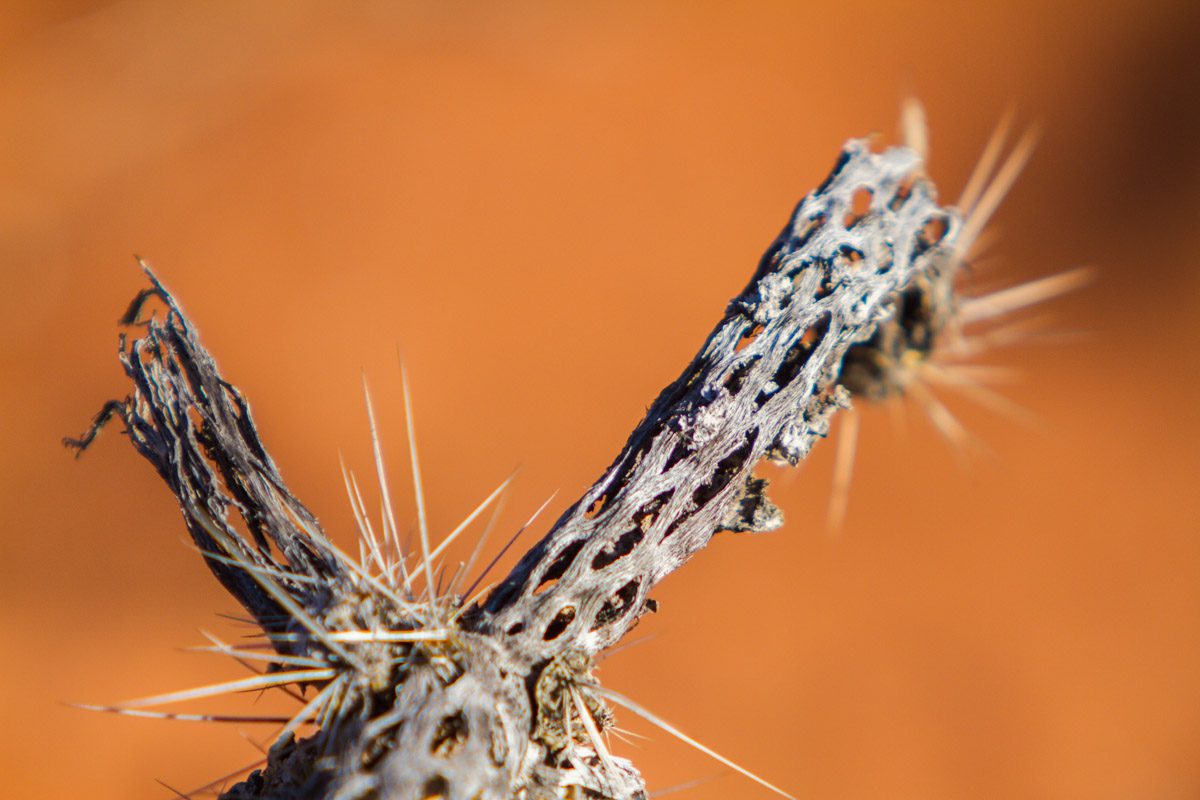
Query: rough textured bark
(421, 697)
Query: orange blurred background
(546, 207)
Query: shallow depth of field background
(546, 208)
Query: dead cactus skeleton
(421, 695)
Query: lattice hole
(622, 547)
(560, 566)
(618, 605)
(451, 732)
(860, 206)
(562, 620)
(799, 353)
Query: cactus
(418, 692)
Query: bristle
(613, 651)
(986, 162)
(399, 575)
(953, 378)
(568, 730)
(170, 788)
(983, 260)
(593, 732)
(470, 601)
(229, 687)
(236, 719)
(942, 419)
(389, 515)
(366, 536)
(211, 785)
(375, 583)
(1024, 295)
(420, 495)
(504, 549)
(981, 212)
(475, 551)
(425, 635)
(258, 569)
(1006, 335)
(650, 716)
(915, 126)
(257, 745)
(330, 707)
(313, 707)
(470, 518)
(278, 658)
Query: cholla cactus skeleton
(422, 696)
